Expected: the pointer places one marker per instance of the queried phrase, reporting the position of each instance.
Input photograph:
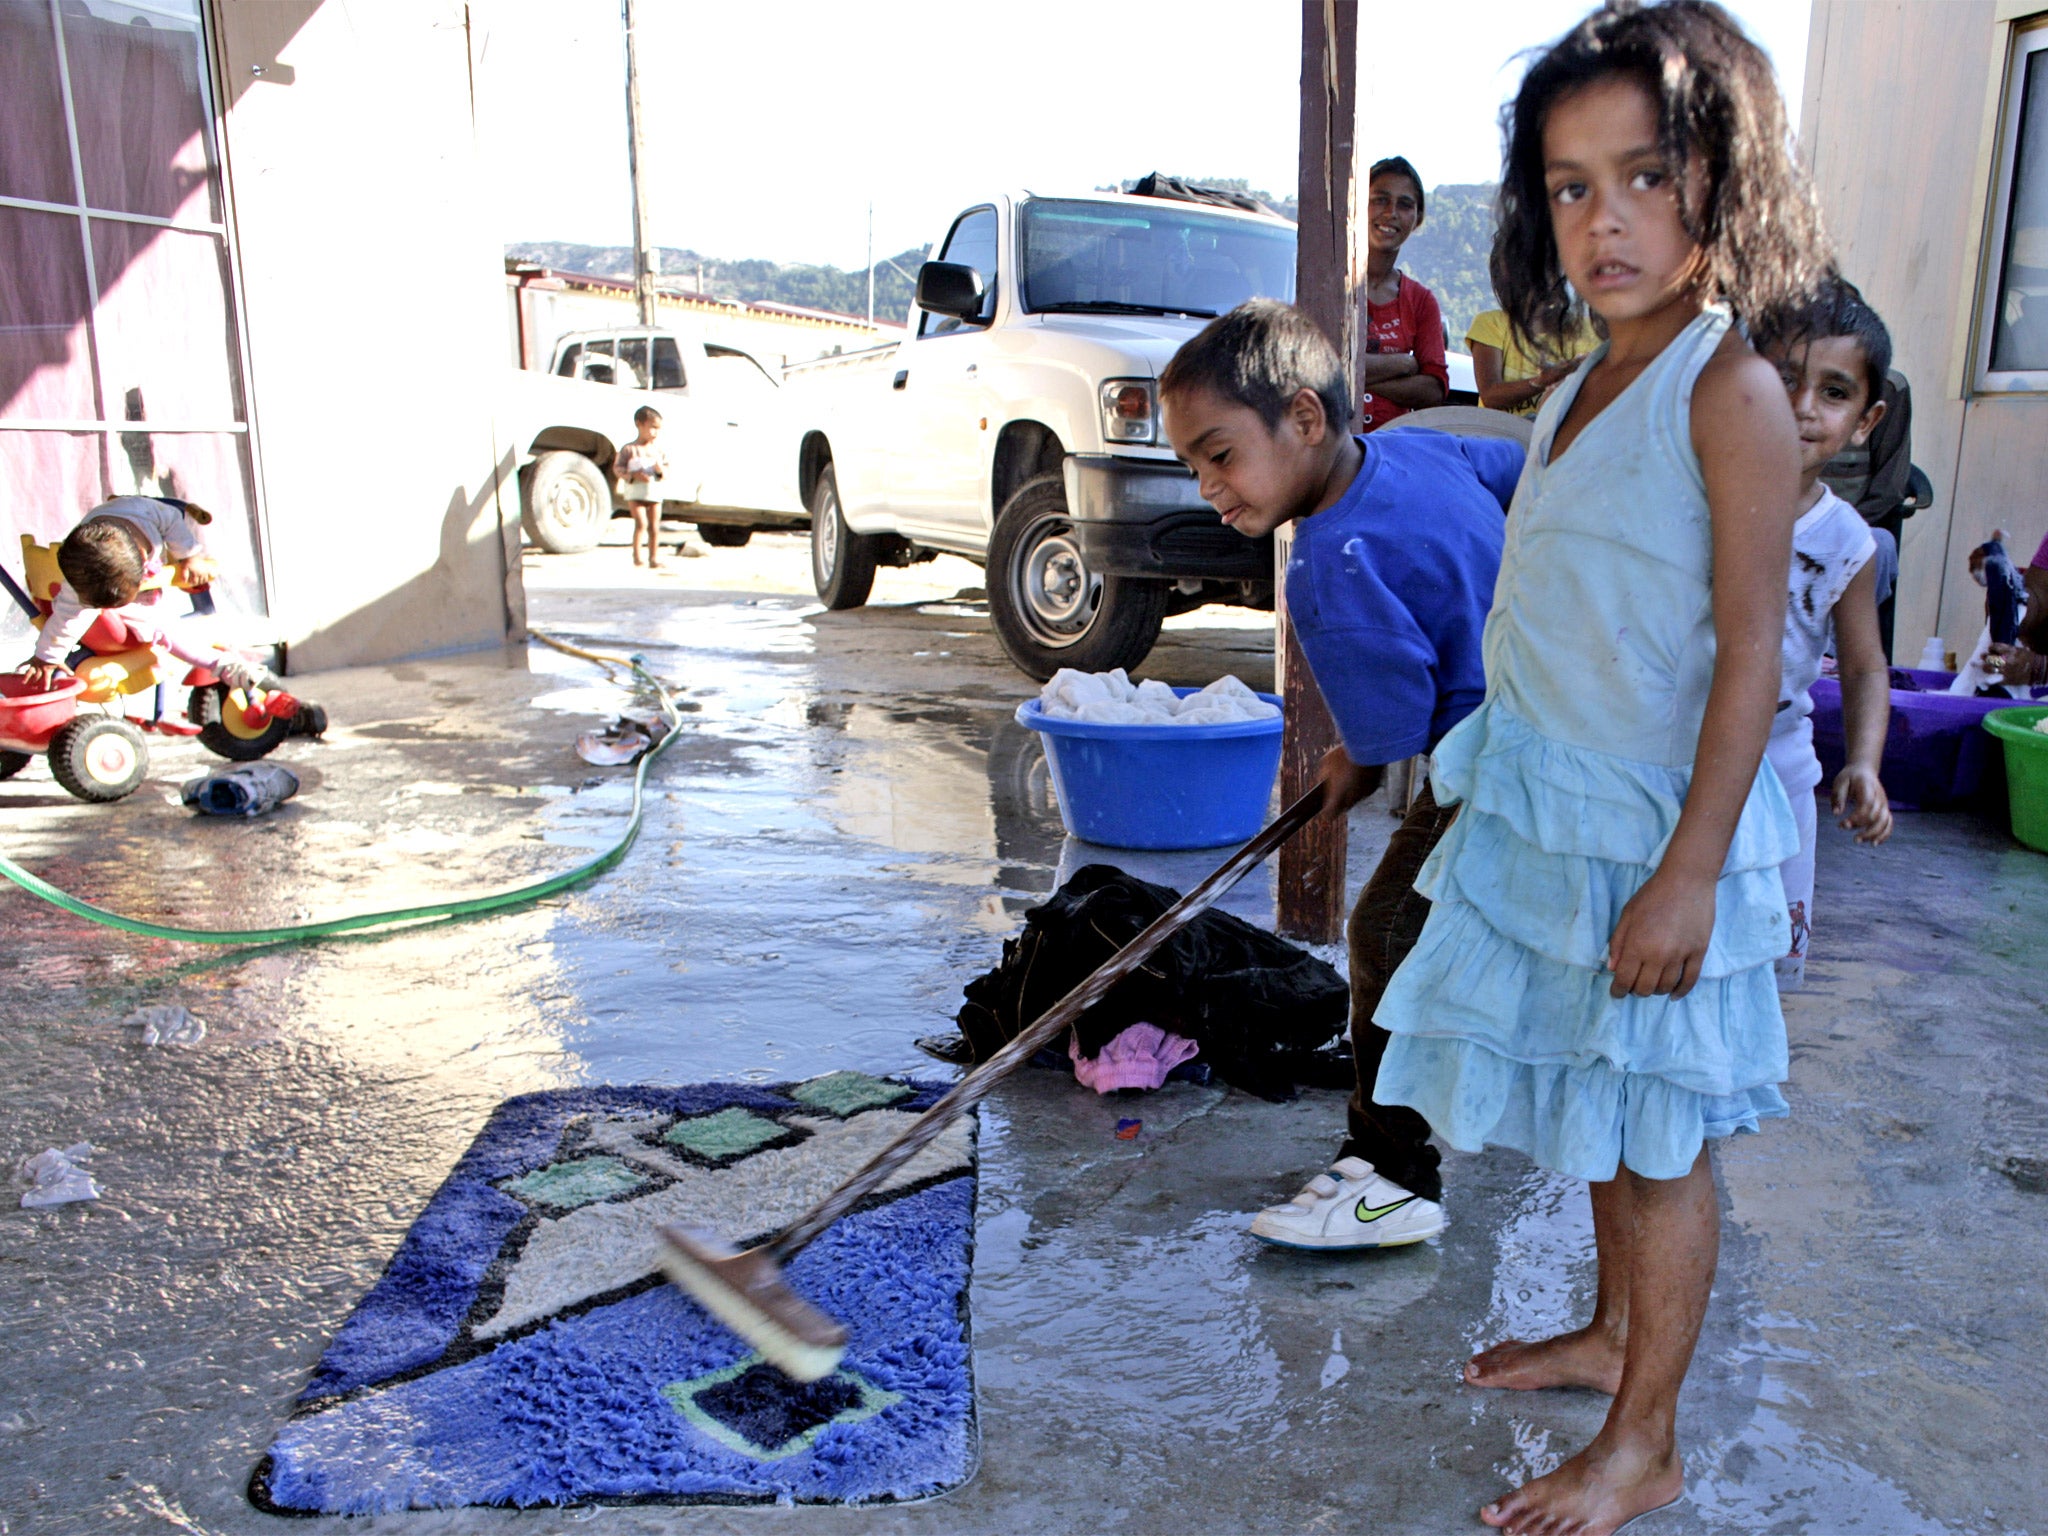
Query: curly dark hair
(1837, 308)
(1720, 118)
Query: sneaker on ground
(1351, 1206)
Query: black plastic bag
(1267, 1015)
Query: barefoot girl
(1594, 985)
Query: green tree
(1449, 253)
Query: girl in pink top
(1401, 364)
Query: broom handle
(975, 1086)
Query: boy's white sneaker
(1351, 1206)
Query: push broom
(746, 1291)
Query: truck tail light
(1130, 411)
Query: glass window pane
(633, 361)
(45, 357)
(165, 345)
(35, 155)
(48, 481)
(971, 244)
(668, 364)
(2019, 324)
(210, 469)
(137, 96)
(1172, 258)
(572, 355)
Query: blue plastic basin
(1160, 786)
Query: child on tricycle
(98, 599)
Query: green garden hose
(475, 906)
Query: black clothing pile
(1268, 1016)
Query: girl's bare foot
(1596, 1493)
(1585, 1357)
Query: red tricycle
(99, 752)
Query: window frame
(655, 341)
(2027, 40)
(85, 213)
(105, 426)
(621, 365)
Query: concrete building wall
(1900, 126)
(391, 509)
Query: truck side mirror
(948, 288)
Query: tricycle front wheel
(226, 732)
(99, 758)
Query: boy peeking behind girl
(1832, 354)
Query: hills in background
(774, 282)
(1448, 253)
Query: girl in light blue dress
(1595, 984)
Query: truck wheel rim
(571, 504)
(1056, 594)
(825, 533)
(110, 758)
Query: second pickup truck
(1018, 424)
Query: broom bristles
(746, 1292)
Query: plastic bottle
(1933, 655)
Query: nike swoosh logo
(1374, 1213)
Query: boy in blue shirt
(1395, 556)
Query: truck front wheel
(565, 502)
(842, 561)
(1051, 611)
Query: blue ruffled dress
(1570, 777)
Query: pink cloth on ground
(1140, 1057)
(2040, 560)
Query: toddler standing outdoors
(1594, 985)
(639, 470)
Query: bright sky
(772, 126)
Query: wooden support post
(645, 256)
(1311, 875)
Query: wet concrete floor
(850, 828)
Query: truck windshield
(1116, 258)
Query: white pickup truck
(731, 442)
(1018, 425)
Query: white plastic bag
(167, 1024)
(55, 1178)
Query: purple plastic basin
(1935, 757)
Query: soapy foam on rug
(523, 1349)
(1111, 698)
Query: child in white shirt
(1832, 359)
(639, 469)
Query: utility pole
(871, 265)
(1311, 876)
(646, 259)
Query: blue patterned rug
(522, 1349)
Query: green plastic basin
(2026, 770)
